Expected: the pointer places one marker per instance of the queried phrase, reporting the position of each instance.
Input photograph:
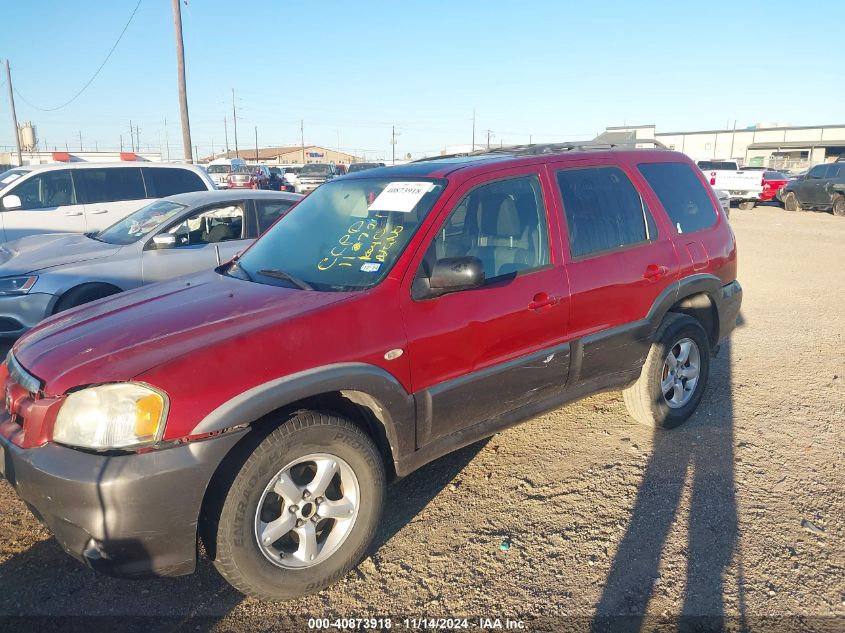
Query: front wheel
(302, 510)
(790, 202)
(674, 375)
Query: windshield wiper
(280, 274)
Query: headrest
(498, 216)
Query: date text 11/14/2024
(416, 624)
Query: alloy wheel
(681, 370)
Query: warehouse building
(763, 145)
(290, 155)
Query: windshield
(345, 236)
(361, 167)
(10, 176)
(218, 169)
(136, 225)
(320, 170)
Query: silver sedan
(41, 275)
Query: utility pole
(137, 139)
(256, 143)
(121, 143)
(131, 136)
(393, 135)
(14, 114)
(302, 138)
(226, 133)
(235, 119)
(183, 92)
(489, 134)
(473, 130)
(80, 140)
(166, 141)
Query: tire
(83, 294)
(645, 399)
(746, 206)
(790, 202)
(839, 206)
(244, 562)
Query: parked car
(313, 175)
(383, 322)
(80, 197)
(356, 167)
(42, 275)
(279, 182)
(773, 182)
(819, 189)
(250, 177)
(291, 174)
(724, 199)
(744, 187)
(220, 169)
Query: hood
(119, 337)
(37, 252)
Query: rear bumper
(124, 515)
(730, 302)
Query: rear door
(481, 353)
(620, 261)
(209, 235)
(49, 204)
(110, 194)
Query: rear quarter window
(682, 194)
(111, 184)
(168, 181)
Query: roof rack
(537, 149)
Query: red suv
(391, 317)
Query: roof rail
(552, 148)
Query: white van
(82, 197)
(219, 170)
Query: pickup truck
(313, 175)
(744, 187)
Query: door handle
(542, 301)
(653, 272)
(72, 212)
(99, 211)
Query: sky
(352, 71)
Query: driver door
(49, 204)
(214, 231)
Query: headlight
(120, 415)
(16, 285)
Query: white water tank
(26, 133)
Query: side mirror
(450, 274)
(164, 240)
(12, 202)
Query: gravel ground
(739, 513)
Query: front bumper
(730, 301)
(124, 514)
(19, 313)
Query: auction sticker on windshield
(401, 196)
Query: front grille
(22, 377)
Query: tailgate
(736, 180)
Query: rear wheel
(790, 202)
(84, 294)
(302, 510)
(839, 206)
(674, 376)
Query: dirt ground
(739, 513)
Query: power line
(93, 77)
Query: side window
(604, 211)
(682, 194)
(112, 184)
(269, 211)
(502, 223)
(817, 172)
(168, 181)
(219, 223)
(50, 189)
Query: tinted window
(603, 210)
(219, 223)
(168, 181)
(50, 189)
(711, 165)
(503, 224)
(111, 184)
(817, 172)
(269, 211)
(774, 175)
(682, 194)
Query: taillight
(712, 181)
